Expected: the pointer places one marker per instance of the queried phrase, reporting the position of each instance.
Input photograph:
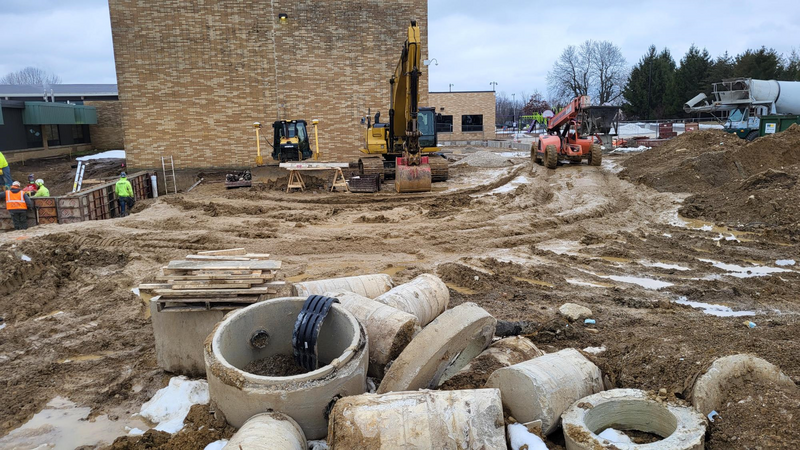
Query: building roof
(62, 90)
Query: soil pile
(486, 160)
(201, 427)
(751, 184)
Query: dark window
(77, 134)
(52, 135)
(445, 124)
(472, 122)
(33, 136)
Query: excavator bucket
(412, 178)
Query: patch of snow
(135, 432)
(508, 187)
(647, 283)
(515, 154)
(317, 445)
(136, 291)
(667, 235)
(584, 283)
(721, 236)
(714, 310)
(217, 445)
(111, 154)
(2, 325)
(169, 407)
(615, 436)
(520, 436)
(638, 149)
(745, 272)
(785, 262)
(665, 266)
(594, 350)
(25, 258)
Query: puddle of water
(722, 232)
(397, 268)
(665, 266)
(462, 289)
(745, 272)
(559, 247)
(785, 262)
(647, 283)
(508, 187)
(587, 284)
(535, 282)
(614, 259)
(64, 426)
(714, 310)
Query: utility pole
(514, 109)
(493, 84)
(451, 87)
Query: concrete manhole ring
(681, 427)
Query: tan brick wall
(194, 76)
(108, 134)
(458, 104)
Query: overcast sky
(474, 42)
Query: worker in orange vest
(17, 204)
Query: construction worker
(31, 187)
(124, 192)
(17, 204)
(6, 175)
(41, 191)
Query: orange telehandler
(563, 141)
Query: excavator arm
(404, 111)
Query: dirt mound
(201, 427)
(734, 181)
(485, 160)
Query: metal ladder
(169, 176)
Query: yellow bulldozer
(405, 147)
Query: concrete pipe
(389, 330)
(544, 387)
(269, 431)
(261, 334)
(441, 349)
(503, 353)
(709, 390)
(425, 297)
(369, 286)
(681, 427)
(419, 420)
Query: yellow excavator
(401, 145)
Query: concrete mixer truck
(746, 101)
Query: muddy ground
(520, 241)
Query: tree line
(656, 87)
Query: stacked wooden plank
(222, 279)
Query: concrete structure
(389, 330)
(35, 121)
(425, 297)
(369, 286)
(503, 353)
(269, 431)
(194, 78)
(342, 350)
(420, 420)
(441, 349)
(710, 389)
(544, 387)
(466, 116)
(681, 427)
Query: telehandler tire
(535, 155)
(551, 156)
(595, 155)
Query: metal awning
(48, 113)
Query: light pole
(493, 84)
(514, 110)
(451, 87)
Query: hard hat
(123, 175)
(39, 182)
(16, 183)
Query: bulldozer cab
(291, 141)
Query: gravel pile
(485, 160)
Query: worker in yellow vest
(17, 204)
(6, 172)
(124, 192)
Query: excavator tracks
(440, 168)
(372, 166)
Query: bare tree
(611, 73)
(595, 68)
(31, 75)
(571, 74)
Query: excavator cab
(291, 142)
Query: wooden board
(196, 292)
(231, 279)
(224, 265)
(313, 165)
(216, 258)
(228, 252)
(190, 286)
(151, 286)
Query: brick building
(194, 76)
(466, 116)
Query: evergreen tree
(690, 79)
(761, 64)
(721, 69)
(648, 84)
(792, 70)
